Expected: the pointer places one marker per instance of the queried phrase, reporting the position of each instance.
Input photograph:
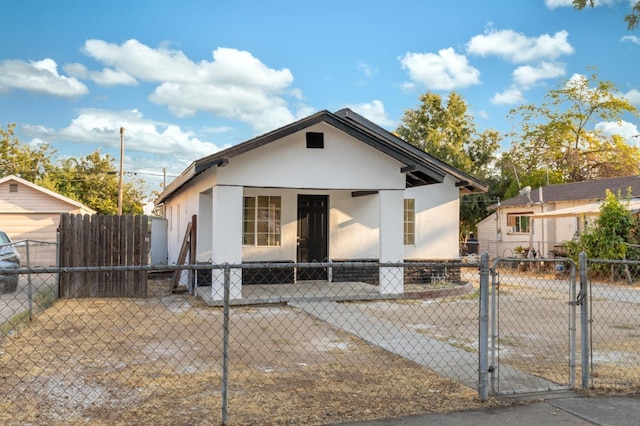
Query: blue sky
(187, 78)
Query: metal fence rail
(336, 348)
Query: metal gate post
(483, 338)
(494, 320)
(225, 344)
(584, 321)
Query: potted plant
(519, 251)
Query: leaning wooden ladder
(188, 247)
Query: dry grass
(158, 361)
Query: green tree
(447, 131)
(16, 158)
(560, 136)
(632, 19)
(93, 180)
(611, 234)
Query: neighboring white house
(29, 211)
(332, 186)
(548, 216)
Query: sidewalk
(578, 410)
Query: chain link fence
(533, 325)
(345, 343)
(614, 318)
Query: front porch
(258, 294)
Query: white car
(9, 259)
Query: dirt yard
(158, 361)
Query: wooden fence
(103, 241)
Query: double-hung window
(261, 221)
(409, 221)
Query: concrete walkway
(447, 360)
(24, 297)
(602, 410)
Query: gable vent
(315, 140)
(13, 187)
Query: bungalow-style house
(544, 218)
(31, 212)
(331, 186)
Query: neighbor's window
(261, 221)
(409, 221)
(519, 222)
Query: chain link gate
(532, 325)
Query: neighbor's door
(312, 235)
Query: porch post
(226, 239)
(391, 241)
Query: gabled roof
(587, 191)
(420, 167)
(48, 192)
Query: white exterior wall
(179, 210)
(344, 163)
(354, 226)
(437, 221)
(287, 168)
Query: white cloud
(632, 39)
(101, 128)
(367, 71)
(528, 75)
(234, 85)
(518, 48)
(39, 77)
(373, 111)
(623, 128)
(633, 96)
(482, 114)
(510, 96)
(552, 4)
(446, 70)
(106, 77)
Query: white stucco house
(549, 215)
(331, 186)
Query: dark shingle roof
(424, 167)
(591, 190)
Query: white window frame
(409, 226)
(264, 227)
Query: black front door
(312, 235)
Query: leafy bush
(613, 235)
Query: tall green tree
(28, 162)
(93, 180)
(560, 135)
(632, 19)
(445, 129)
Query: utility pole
(121, 181)
(164, 186)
